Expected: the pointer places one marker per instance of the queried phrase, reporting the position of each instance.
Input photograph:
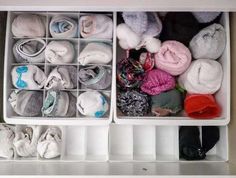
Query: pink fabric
(157, 81)
(173, 57)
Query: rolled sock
(28, 77)
(92, 103)
(209, 43)
(210, 137)
(201, 106)
(62, 77)
(152, 45)
(63, 27)
(147, 61)
(189, 143)
(49, 144)
(29, 25)
(133, 103)
(26, 103)
(95, 77)
(96, 26)
(157, 81)
(166, 103)
(59, 52)
(29, 50)
(26, 140)
(204, 76)
(7, 136)
(206, 17)
(173, 57)
(95, 53)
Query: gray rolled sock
(72, 106)
(34, 105)
(73, 74)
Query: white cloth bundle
(26, 141)
(29, 25)
(95, 53)
(49, 144)
(96, 26)
(204, 76)
(6, 141)
(28, 77)
(59, 52)
(63, 27)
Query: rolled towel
(93, 104)
(28, 77)
(157, 81)
(49, 144)
(59, 52)
(63, 27)
(7, 136)
(29, 50)
(95, 53)
(26, 140)
(26, 103)
(173, 57)
(62, 77)
(96, 26)
(167, 103)
(130, 73)
(95, 77)
(61, 104)
(179, 26)
(209, 43)
(201, 106)
(133, 103)
(206, 17)
(29, 25)
(204, 76)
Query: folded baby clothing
(157, 81)
(95, 77)
(179, 26)
(62, 77)
(210, 136)
(7, 136)
(173, 57)
(96, 26)
(166, 103)
(26, 103)
(147, 61)
(204, 76)
(63, 27)
(209, 43)
(130, 73)
(29, 25)
(26, 140)
(28, 77)
(133, 103)
(59, 52)
(201, 106)
(59, 103)
(206, 17)
(95, 53)
(29, 50)
(49, 144)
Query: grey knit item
(205, 17)
(209, 43)
(72, 106)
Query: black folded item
(210, 136)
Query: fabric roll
(29, 25)
(59, 52)
(63, 27)
(7, 136)
(204, 76)
(147, 61)
(201, 106)
(96, 26)
(210, 137)
(28, 77)
(206, 17)
(95, 77)
(49, 144)
(95, 53)
(209, 43)
(93, 104)
(29, 50)
(62, 77)
(173, 58)
(133, 103)
(26, 103)
(157, 81)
